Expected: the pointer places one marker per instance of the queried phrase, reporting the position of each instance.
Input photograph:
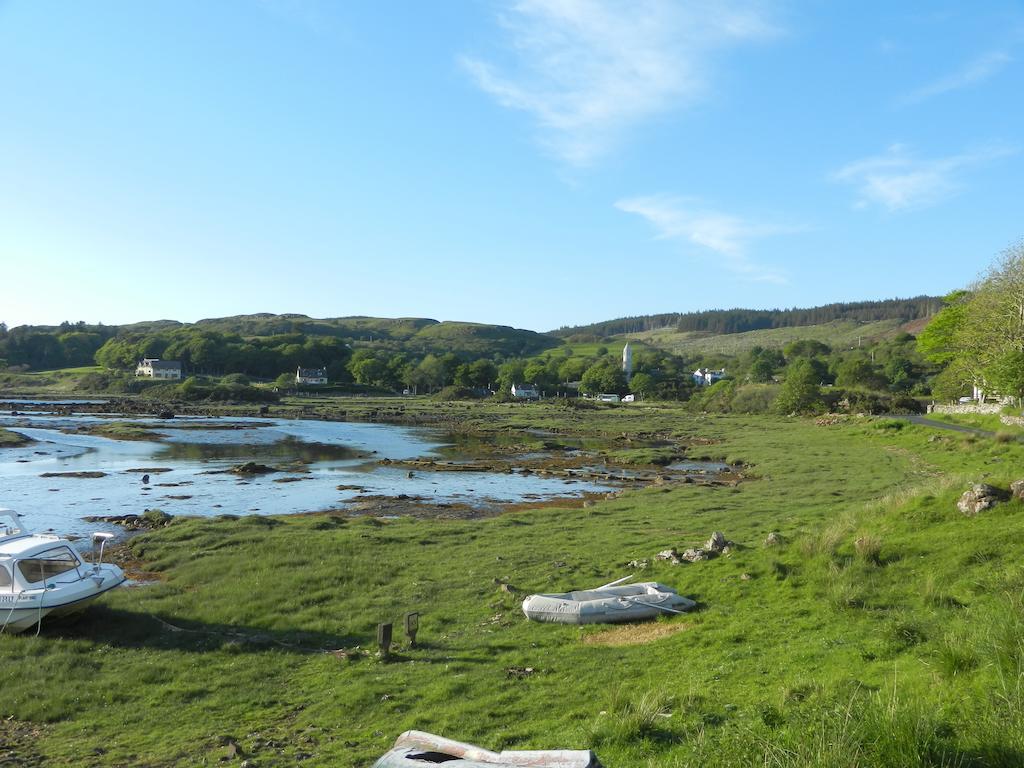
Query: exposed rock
(978, 498)
(718, 542)
(670, 555)
(638, 565)
(252, 468)
(746, 576)
(696, 555)
(1017, 488)
(86, 475)
(774, 539)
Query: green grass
(9, 439)
(839, 334)
(887, 631)
(987, 421)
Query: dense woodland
(717, 321)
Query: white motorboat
(415, 748)
(42, 576)
(609, 603)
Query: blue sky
(524, 162)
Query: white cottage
(525, 392)
(704, 377)
(155, 368)
(310, 375)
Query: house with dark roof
(310, 375)
(155, 368)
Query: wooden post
(412, 626)
(384, 640)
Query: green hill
(839, 334)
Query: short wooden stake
(412, 626)
(384, 639)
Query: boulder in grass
(718, 542)
(978, 498)
(1017, 489)
(696, 555)
(670, 555)
(773, 539)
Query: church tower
(627, 361)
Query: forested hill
(716, 321)
(259, 344)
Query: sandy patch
(635, 634)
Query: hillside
(839, 334)
(729, 321)
(67, 345)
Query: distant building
(608, 398)
(704, 377)
(627, 361)
(525, 391)
(311, 376)
(155, 368)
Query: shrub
(868, 548)
(755, 398)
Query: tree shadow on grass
(129, 629)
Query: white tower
(627, 361)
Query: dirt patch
(19, 744)
(635, 634)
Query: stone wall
(1012, 421)
(966, 408)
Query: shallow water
(318, 456)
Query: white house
(310, 376)
(704, 377)
(155, 368)
(525, 392)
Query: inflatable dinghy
(610, 603)
(415, 749)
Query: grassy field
(64, 381)
(886, 631)
(839, 334)
(8, 438)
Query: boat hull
(637, 602)
(415, 749)
(23, 610)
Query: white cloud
(588, 69)
(682, 219)
(898, 181)
(976, 71)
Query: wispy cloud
(730, 236)
(898, 181)
(588, 69)
(974, 72)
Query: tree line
(717, 321)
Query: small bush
(868, 548)
(631, 719)
(955, 655)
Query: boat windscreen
(53, 564)
(5, 576)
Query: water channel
(187, 467)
